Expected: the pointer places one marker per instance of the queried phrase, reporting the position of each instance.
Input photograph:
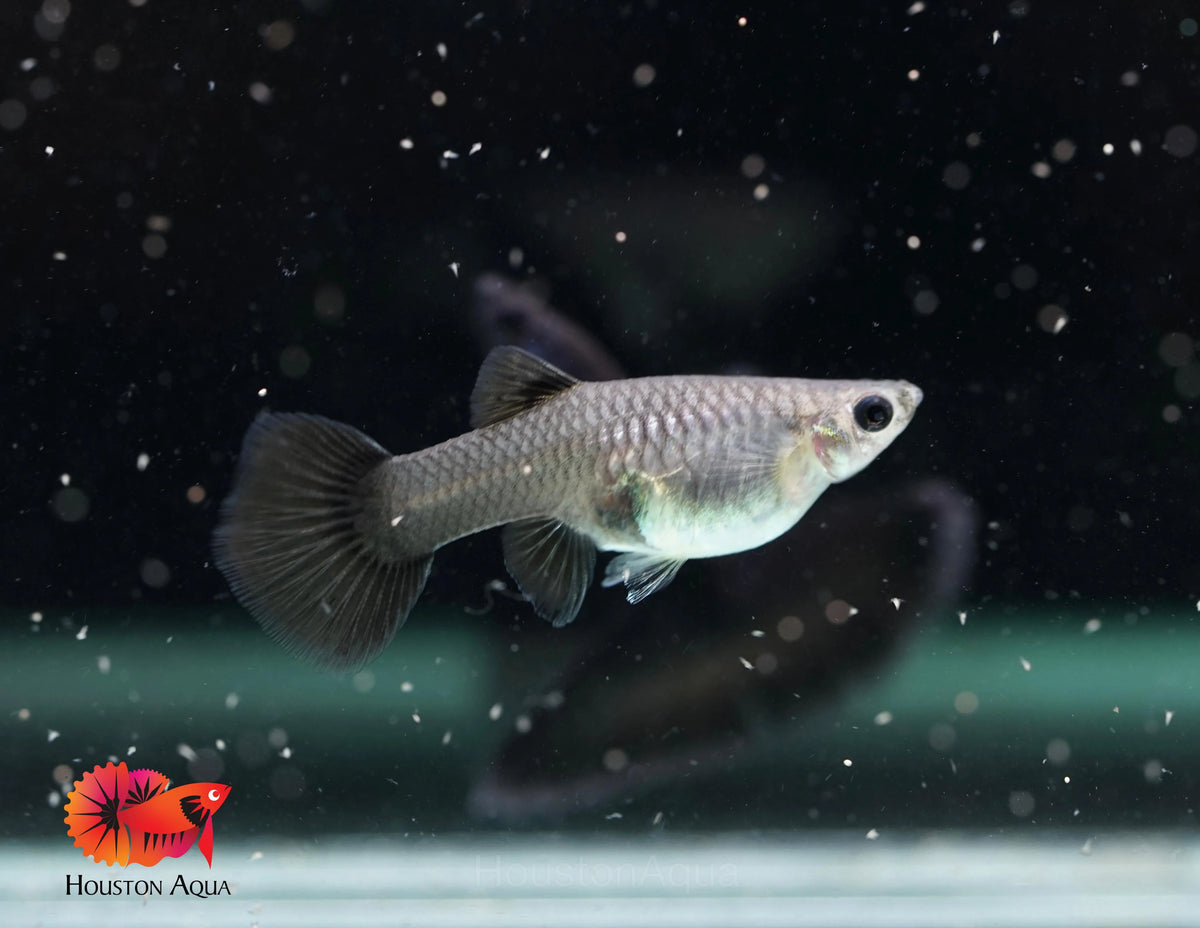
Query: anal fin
(552, 564)
(641, 573)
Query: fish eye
(214, 795)
(872, 413)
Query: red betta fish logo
(122, 816)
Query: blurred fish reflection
(509, 313)
(683, 692)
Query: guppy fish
(328, 539)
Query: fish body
(328, 539)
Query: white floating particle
(896, 601)
(1025, 665)
(962, 618)
(523, 724)
(883, 718)
(995, 36)
(143, 461)
(406, 686)
(643, 75)
(1135, 146)
(59, 256)
(914, 74)
(613, 815)
(81, 634)
(396, 520)
(28, 64)
(51, 734)
(232, 700)
(1167, 716)
(49, 150)
(873, 835)
(1107, 148)
(742, 21)
(495, 712)
(416, 717)
(219, 743)
(64, 479)
(746, 663)
(449, 155)
(475, 147)
(918, 7)
(757, 633)
(35, 617)
(1117, 710)
(1091, 626)
(406, 144)
(847, 762)
(621, 237)
(761, 192)
(978, 244)
(543, 153)
(438, 98)
(913, 242)
(262, 391)
(446, 738)
(454, 266)
(53, 799)
(442, 50)
(257, 855)
(1086, 850)
(103, 663)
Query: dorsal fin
(512, 381)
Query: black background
(109, 353)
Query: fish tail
(291, 542)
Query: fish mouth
(910, 396)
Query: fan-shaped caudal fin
(93, 814)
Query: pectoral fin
(552, 564)
(642, 574)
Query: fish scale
(658, 469)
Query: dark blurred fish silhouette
(506, 312)
(688, 691)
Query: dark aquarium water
(961, 690)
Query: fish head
(210, 796)
(863, 418)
